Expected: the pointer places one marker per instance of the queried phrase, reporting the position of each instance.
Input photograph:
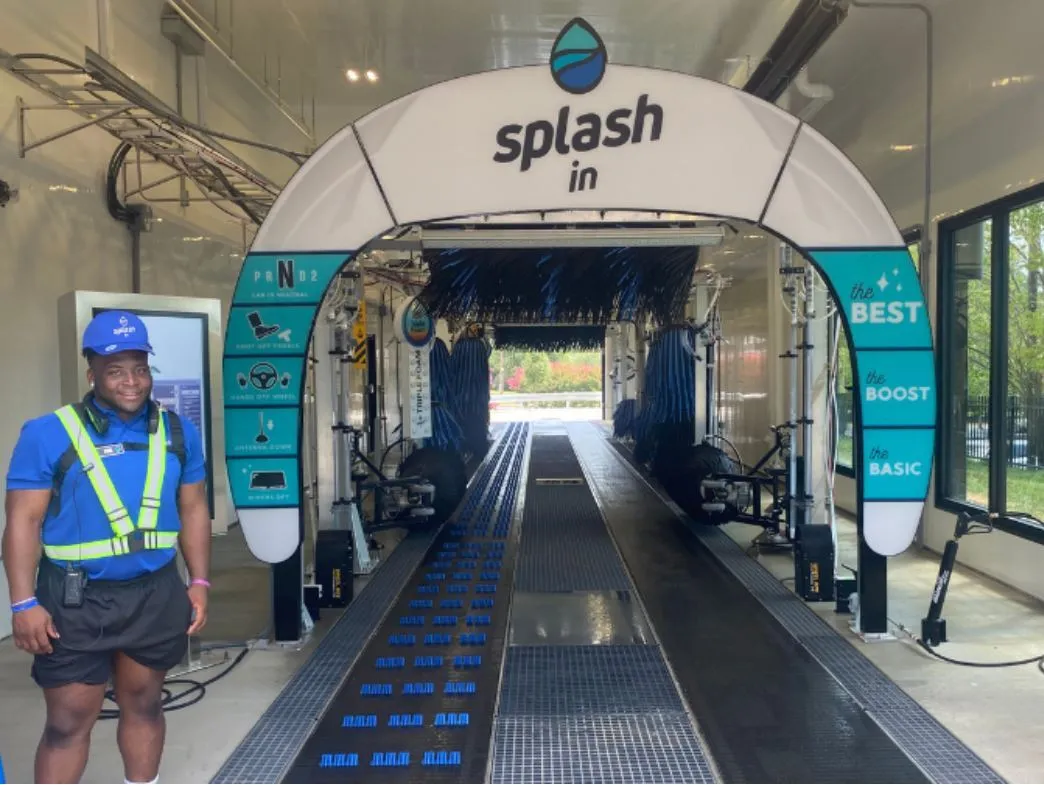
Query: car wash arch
(578, 134)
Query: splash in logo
(578, 58)
(418, 328)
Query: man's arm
(195, 528)
(29, 488)
(25, 512)
(194, 511)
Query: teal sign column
(893, 365)
(266, 343)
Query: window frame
(998, 212)
(911, 237)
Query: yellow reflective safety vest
(128, 536)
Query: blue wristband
(24, 605)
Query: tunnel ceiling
(563, 285)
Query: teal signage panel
(897, 463)
(291, 279)
(256, 381)
(261, 432)
(880, 294)
(897, 387)
(264, 482)
(268, 329)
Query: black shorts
(146, 618)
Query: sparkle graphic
(884, 281)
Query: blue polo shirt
(81, 517)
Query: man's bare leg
(71, 713)
(142, 728)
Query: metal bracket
(106, 98)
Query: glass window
(965, 416)
(1024, 407)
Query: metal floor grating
(593, 714)
(584, 713)
(618, 748)
(565, 545)
(928, 744)
(270, 747)
(582, 680)
(419, 702)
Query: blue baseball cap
(111, 332)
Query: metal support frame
(346, 506)
(791, 355)
(108, 99)
(807, 495)
(710, 341)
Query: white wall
(59, 235)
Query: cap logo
(125, 328)
(111, 347)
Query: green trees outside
(540, 372)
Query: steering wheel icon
(264, 376)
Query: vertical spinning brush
(446, 433)
(471, 379)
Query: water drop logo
(418, 327)
(578, 58)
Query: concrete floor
(995, 711)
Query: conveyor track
(419, 703)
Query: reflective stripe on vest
(115, 510)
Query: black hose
(181, 700)
(117, 209)
(391, 447)
(1038, 659)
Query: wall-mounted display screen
(180, 371)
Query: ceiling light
(352, 74)
(1007, 81)
(901, 148)
(371, 75)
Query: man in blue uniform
(109, 488)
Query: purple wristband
(200, 582)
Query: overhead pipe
(176, 6)
(808, 28)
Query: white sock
(153, 781)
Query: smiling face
(121, 381)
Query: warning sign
(359, 336)
(359, 356)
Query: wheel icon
(264, 376)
